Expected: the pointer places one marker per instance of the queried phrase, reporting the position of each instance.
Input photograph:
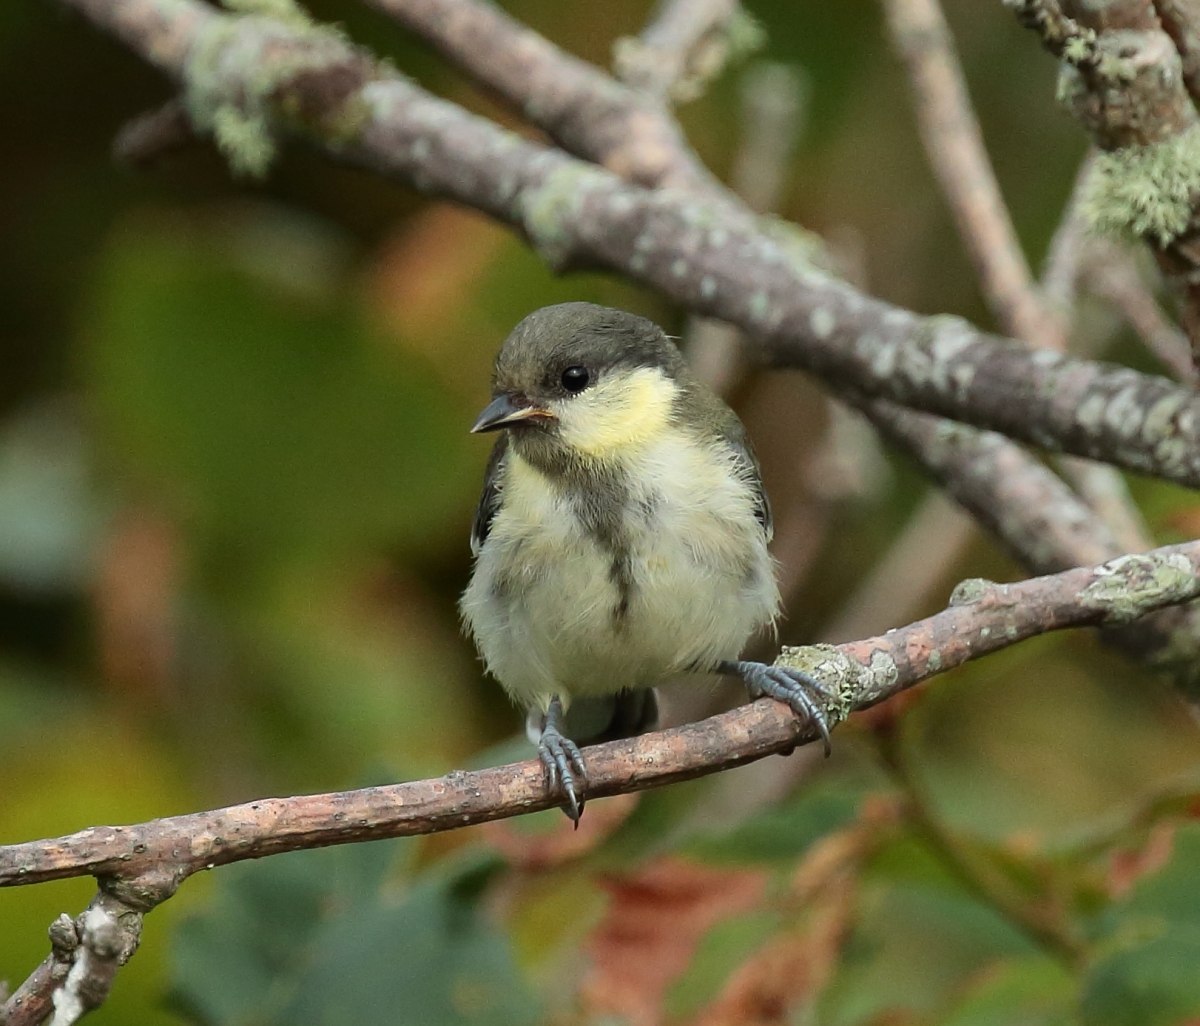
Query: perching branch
(144, 864)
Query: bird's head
(580, 381)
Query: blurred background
(235, 490)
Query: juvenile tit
(621, 538)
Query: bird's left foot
(563, 762)
(799, 691)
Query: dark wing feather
(734, 435)
(748, 462)
(489, 501)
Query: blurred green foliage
(235, 487)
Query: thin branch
(144, 863)
(683, 48)
(77, 975)
(1064, 255)
(583, 109)
(150, 137)
(1113, 276)
(956, 150)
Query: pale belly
(552, 614)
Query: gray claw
(796, 689)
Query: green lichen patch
(1131, 586)
(1145, 191)
(549, 211)
(252, 72)
(838, 672)
(971, 590)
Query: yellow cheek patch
(620, 414)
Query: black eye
(575, 379)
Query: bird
(621, 538)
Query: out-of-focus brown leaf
(655, 921)
(795, 964)
(425, 274)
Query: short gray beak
(508, 409)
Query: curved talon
(562, 760)
(796, 689)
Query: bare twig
(154, 135)
(581, 107)
(1113, 276)
(77, 975)
(683, 48)
(955, 146)
(1068, 246)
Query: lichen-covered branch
(679, 244)
(1132, 95)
